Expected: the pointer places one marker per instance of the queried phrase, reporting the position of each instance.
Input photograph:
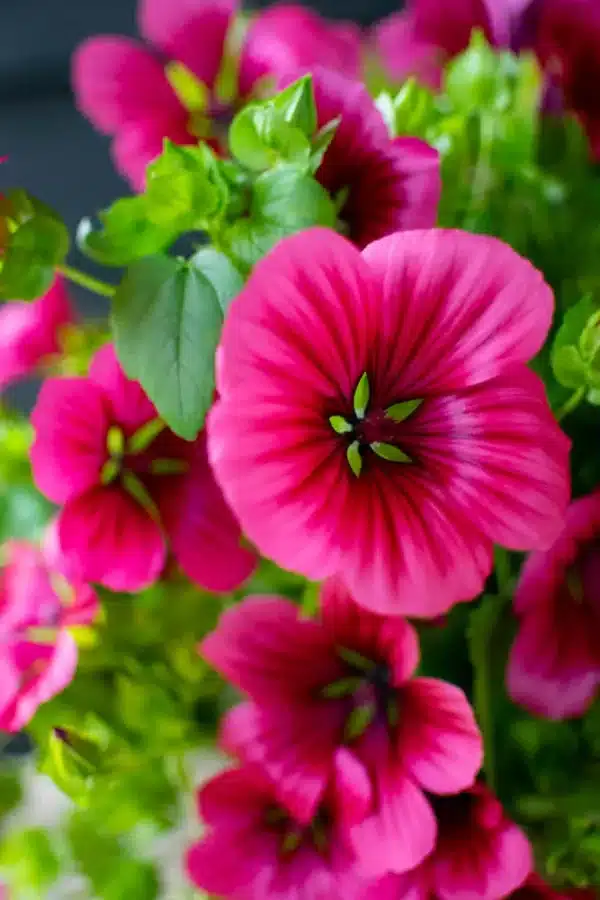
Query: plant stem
(571, 404)
(87, 281)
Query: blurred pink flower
(38, 656)
(30, 332)
(391, 185)
(255, 849)
(142, 94)
(479, 855)
(376, 418)
(346, 680)
(554, 666)
(126, 483)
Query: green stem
(87, 281)
(502, 568)
(571, 404)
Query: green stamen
(340, 425)
(110, 471)
(145, 435)
(354, 458)
(168, 466)
(291, 842)
(191, 93)
(342, 688)
(401, 411)
(134, 486)
(115, 441)
(362, 395)
(356, 660)
(390, 452)
(358, 721)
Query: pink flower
(38, 656)
(376, 417)
(554, 666)
(568, 46)
(391, 185)
(346, 680)
(420, 40)
(255, 849)
(142, 94)
(126, 483)
(480, 855)
(30, 332)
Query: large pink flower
(255, 849)
(376, 417)
(38, 656)
(479, 855)
(30, 332)
(420, 40)
(125, 483)
(346, 680)
(389, 185)
(554, 666)
(141, 95)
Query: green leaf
(10, 793)
(474, 80)
(185, 189)
(167, 320)
(568, 367)
(24, 513)
(29, 264)
(31, 860)
(71, 761)
(260, 138)
(222, 274)
(127, 234)
(297, 105)
(283, 202)
(412, 110)
(321, 142)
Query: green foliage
(10, 792)
(34, 241)
(575, 351)
(167, 319)
(30, 862)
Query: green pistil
(362, 395)
(134, 486)
(345, 687)
(358, 721)
(291, 842)
(168, 466)
(401, 411)
(356, 660)
(354, 458)
(190, 91)
(145, 436)
(390, 452)
(340, 425)
(115, 441)
(110, 471)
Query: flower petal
(71, 420)
(110, 539)
(457, 309)
(189, 32)
(118, 82)
(378, 638)
(205, 537)
(129, 405)
(266, 650)
(402, 832)
(139, 143)
(438, 742)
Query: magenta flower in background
(168, 89)
(30, 333)
(554, 665)
(127, 484)
(38, 656)
(479, 855)
(376, 418)
(256, 849)
(391, 185)
(346, 680)
(568, 46)
(422, 39)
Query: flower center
(292, 835)
(367, 690)
(130, 460)
(376, 430)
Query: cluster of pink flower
(376, 429)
